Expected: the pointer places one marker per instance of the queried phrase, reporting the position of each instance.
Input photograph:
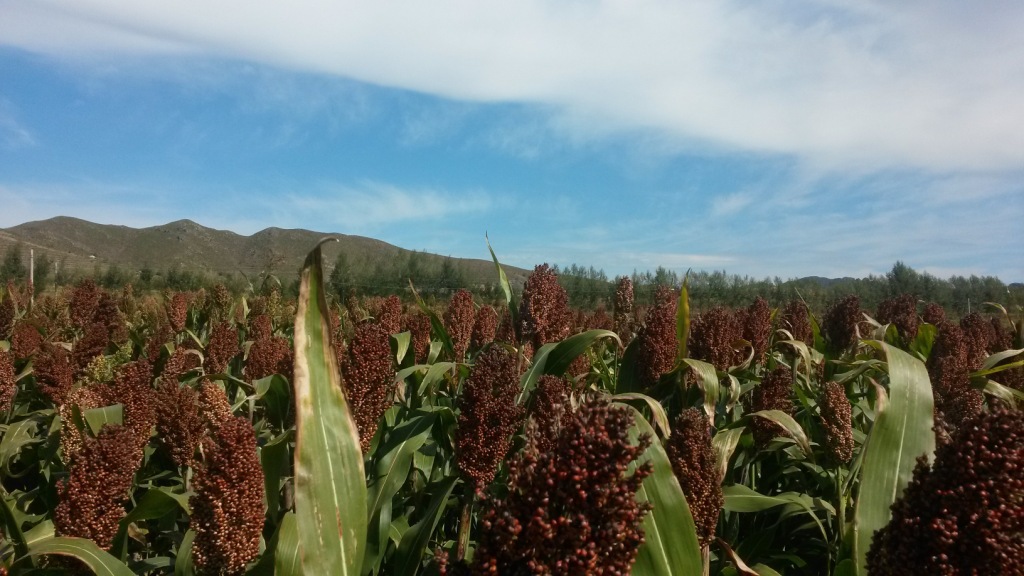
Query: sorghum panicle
(713, 335)
(902, 312)
(458, 321)
(221, 300)
(85, 297)
(269, 356)
(773, 393)
(8, 383)
(933, 314)
(980, 337)
(623, 310)
(965, 513)
(694, 462)
(222, 348)
(260, 327)
(179, 363)
(488, 415)
(839, 324)
(7, 314)
(544, 309)
(54, 373)
(599, 320)
(179, 425)
(756, 327)
(389, 315)
(25, 341)
(177, 311)
(92, 498)
(570, 510)
(551, 409)
(418, 325)
(795, 318)
(367, 374)
(214, 407)
(656, 339)
(949, 372)
(92, 344)
(227, 507)
(836, 419)
(485, 326)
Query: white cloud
(731, 204)
(934, 84)
(368, 206)
(13, 134)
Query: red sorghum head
(902, 312)
(179, 425)
(694, 462)
(572, 509)
(54, 373)
(458, 321)
(177, 311)
(839, 324)
(623, 309)
(933, 314)
(418, 325)
(485, 327)
(756, 327)
(965, 513)
(796, 319)
(488, 415)
(544, 309)
(227, 507)
(8, 382)
(367, 375)
(773, 393)
(713, 335)
(836, 420)
(222, 348)
(91, 500)
(656, 339)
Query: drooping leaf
(155, 503)
(330, 491)
(709, 384)
(901, 433)
(85, 550)
(506, 288)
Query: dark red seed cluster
(773, 393)
(900, 311)
(179, 363)
(488, 415)
(214, 407)
(544, 309)
(933, 313)
(91, 500)
(269, 356)
(418, 325)
(222, 348)
(980, 337)
(92, 344)
(694, 462)
(260, 327)
(368, 373)
(7, 314)
(389, 315)
(756, 327)
(25, 341)
(949, 371)
(220, 300)
(656, 343)
(8, 383)
(179, 425)
(85, 298)
(458, 321)
(54, 373)
(964, 514)
(839, 324)
(836, 420)
(485, 327)
(623, 309)
(227, 508)
(713, 337)
(795, 318)
(551, 409)
(573, 509)
(177, 311)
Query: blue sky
(784, 137)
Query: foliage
(210, 431)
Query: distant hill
(185, 245)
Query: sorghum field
(212, 433)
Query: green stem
(465, 520)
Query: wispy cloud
(731, 204)
(12, 134)
(841, 84)
(369, 206)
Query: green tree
(43, 269)
(341, 277)
(13, 267)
